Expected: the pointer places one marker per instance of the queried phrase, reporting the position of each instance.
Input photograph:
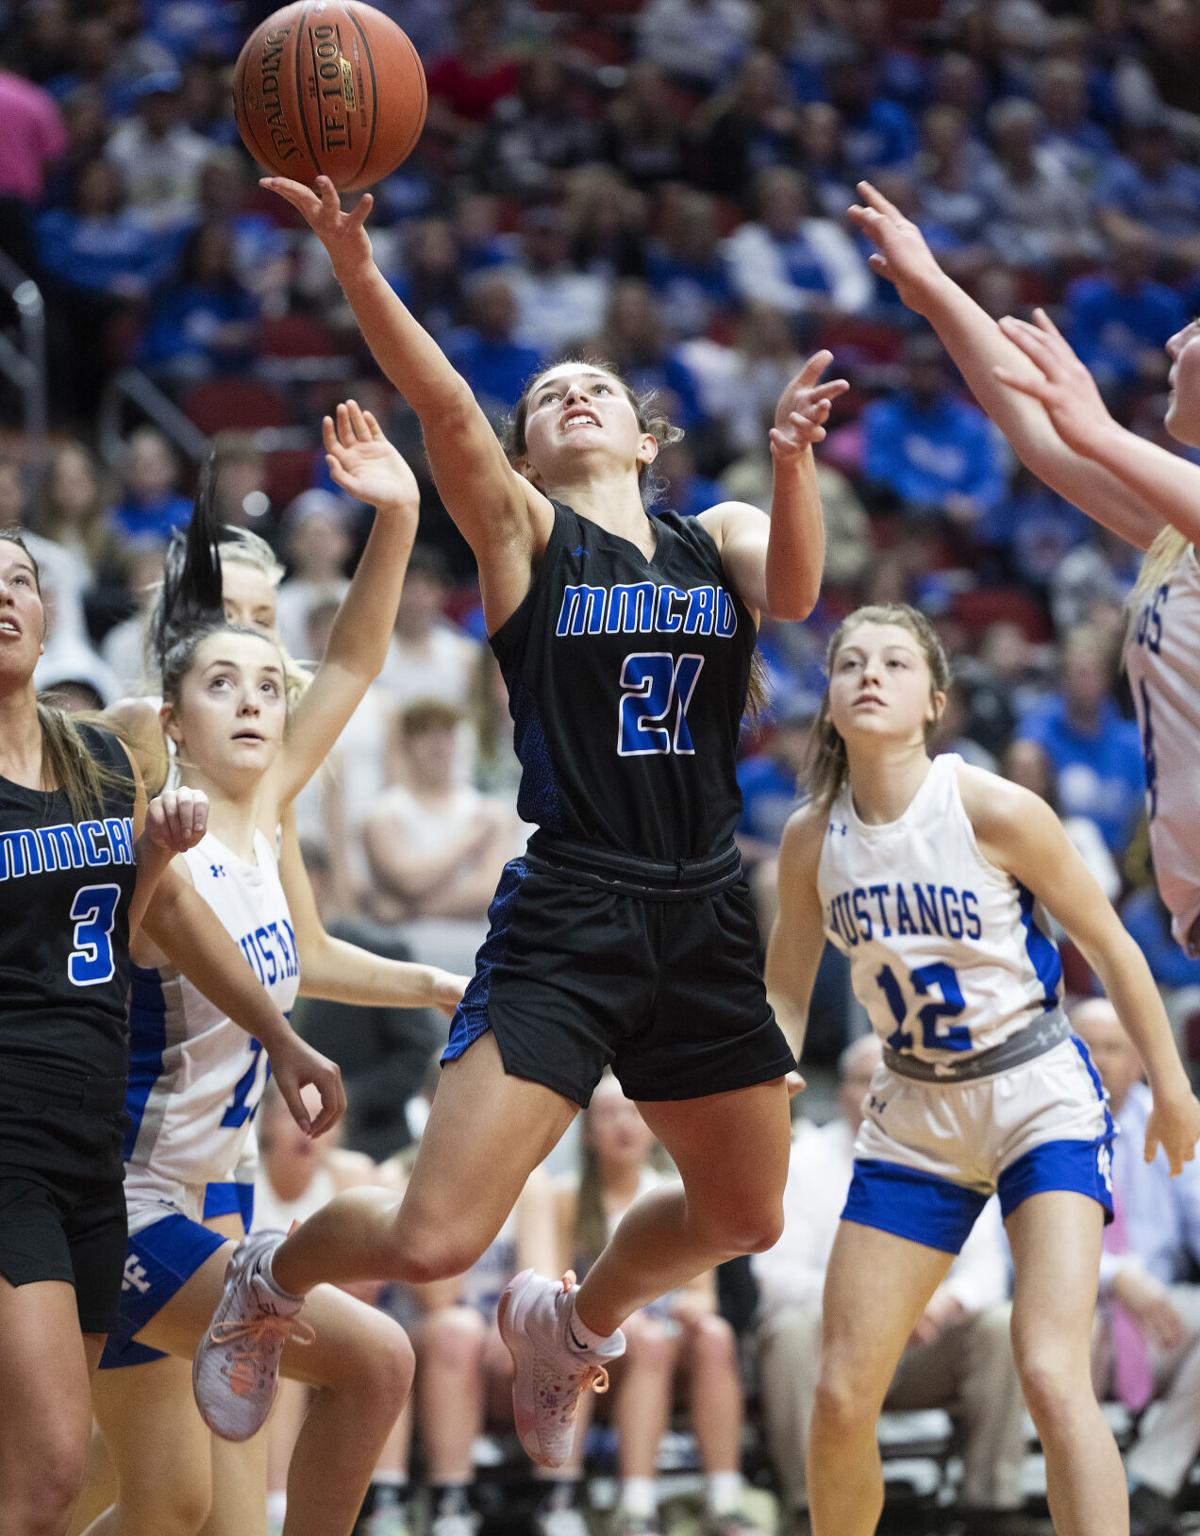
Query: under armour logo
(135, 1277)
(1104, 1167)
(216, 870)
(580, 553)
(878, 1105)
(837, 826)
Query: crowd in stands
(662, 184)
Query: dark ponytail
(189, 605)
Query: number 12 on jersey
(654, 684)
(956, 1038)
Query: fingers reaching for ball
(177, 819)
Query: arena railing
(25, 363)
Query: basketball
(326, 89)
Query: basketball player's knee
(842, 1401)
(755, 1230)
(380, 1368)
(452, 1341)
(50, 1490)
(421, 1252)
(1051, 1386)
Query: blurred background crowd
(661, 184)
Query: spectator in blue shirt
(1080, 145)
(99, 244)
(769, 779)
(150, 505)
(206, 322)
(1149, 923)
(687, 276)
(875, 131)
(1119, 320)
(1096, 754)
(493, 364)
(929, 449)
(1154, 189)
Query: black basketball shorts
(62, 1202)
(594, 959)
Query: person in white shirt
(430, 658)
(318, 528)
(1142, 1274)
(960, 1354)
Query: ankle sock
(723, 1493)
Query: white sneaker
(549, 1374)
(236, 1370)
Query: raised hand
(342, 234)
(363, 463)
(177, 819)
(1061, 382)
(901, 254)
(803, 409)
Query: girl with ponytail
(250, 742)
(85, 871)
(1043, 399)
(934, 878)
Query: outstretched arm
(186, 929)
(797, 937)
(1067, 393)
(1019, 833)
(343, 973)
(500, 514)
(776, 565)
(364, 464)
(978, 347)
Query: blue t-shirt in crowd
(769, 796)
(155, 519)
(1108, 326)
(1167, 204)
(497, 371)
(184, 325)
(114, 254)
(1149, 925)
(926, 453)
(1099, 774)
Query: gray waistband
(1034, 1040)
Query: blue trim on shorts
(230, 1199)
(471, 1016)
(1077, 1167)
(159, 1260)
(922, 1207)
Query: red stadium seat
(245, 405)
(297, 336)
(289, 472)
(978, 610)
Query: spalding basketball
(325, 89)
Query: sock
(450, 1498)
(723, 1493)
(397, 1481)
(639, 1496)
(268, 1274)
(561, 1492)
(277, 1505)
(582, 1339)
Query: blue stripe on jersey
(147, 1043)
(1085, 1056)
(1041, 949)
(537, 798)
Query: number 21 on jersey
(657, 688)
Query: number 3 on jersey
(94, 911)
(654, 683)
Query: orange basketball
(329, 89)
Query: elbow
(792, 606)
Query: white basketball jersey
(948, 954)
(195, 1078)
(1162, 657)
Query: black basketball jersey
(627, 683)
(65, 889)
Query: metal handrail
(26, 365)
(138, 389)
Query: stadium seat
(245, 405)
(297, 335)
